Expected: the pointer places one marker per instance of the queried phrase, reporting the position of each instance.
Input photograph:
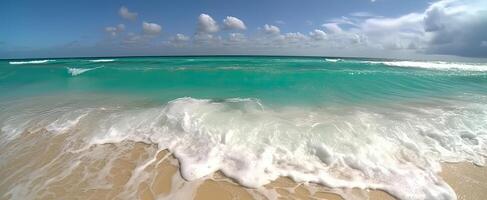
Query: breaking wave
(102, 60)
(332, 60)
(78, 71)
(438, 65)
(399, 152)
(30, 62)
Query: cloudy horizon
(445, 29)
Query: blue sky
(365, 28)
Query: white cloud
(179, 40)
(181, 37)
(446, 27)
(409, 22)
(151, 28)
(114, 30)
(126, 14)
(206, 39)
(236, 37)
(332, 28)
(270, 29)
(133, 39)
(206, 24)
(342, 21)
(457, 27)
(452, 27)
(294, 37)
(317, 34)
(233, 23)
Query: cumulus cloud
(233, 23)
(270, 29)
(457, 28)
(446, 27)
(133, 40)
(114, 30)
(451, 27)
(179, 40)
(126, 14)
(151, 28)
(293, 37)
(317, 34)
(206, 39)
(406, 23)
(236, 37)
(332, 28)
(206, 24)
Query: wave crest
(77, 71)
(332, 60)
(438, 65)
(102, 60)
(30, 62)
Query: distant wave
(439, 65)
(332, 60)
(230, 68)
(30, 62)
(103, 60)
(78, 71)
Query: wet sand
(468, 181)
(160, 178)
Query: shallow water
(338, 122)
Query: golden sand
(163, 179)
(469, 181)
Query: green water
(386, 124)
(274, 80)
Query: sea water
(342, 123)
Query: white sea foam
(393, 150)
(67, 121)
(438, 65)
(397, 149)
(77, 71)
(332, 60)
(102, 60)
(30, 62)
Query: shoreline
(140, 171)
(466, 179)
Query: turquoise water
(274, 80)
(388, 124)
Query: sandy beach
(165, 181)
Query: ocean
(339, 122)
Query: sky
(406, 29)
